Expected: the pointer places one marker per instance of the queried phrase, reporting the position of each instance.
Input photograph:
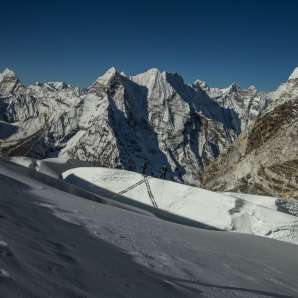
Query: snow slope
(53, 167)
(235, 212)
(57, 244)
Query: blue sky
(250, 42)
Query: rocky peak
(9, 83)
(155, 82)
(233, 88)
(286, 91)
(252, 88)
(106, 78)
(57, 85)
(7, 73)
(148, 77)
(153, 71)
(198, 84)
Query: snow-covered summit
(9, 83)
(149, 78)
(54, 85)
(57, 85)
(153, 71)
(234, 87)
(6, 73)
(107, 76)
(286, 91)
(252, 88)
(294, 74)
(201, 84)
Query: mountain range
(148, 121)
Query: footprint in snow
(5, 250)
(4, 274)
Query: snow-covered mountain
(120, 121)
(37, 114)
(124, 121)
(247, 104)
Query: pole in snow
(163, 172)
(145, 165)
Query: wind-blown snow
(237, 212)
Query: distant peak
(149, 75)
(7, 73)
(252, 88)
(107, 76)
(153, 70)
(112, 70)
(57, 85)
(202, 84)
(294, 74)
(234, 87)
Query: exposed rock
(264, 159)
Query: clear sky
(250, 42)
